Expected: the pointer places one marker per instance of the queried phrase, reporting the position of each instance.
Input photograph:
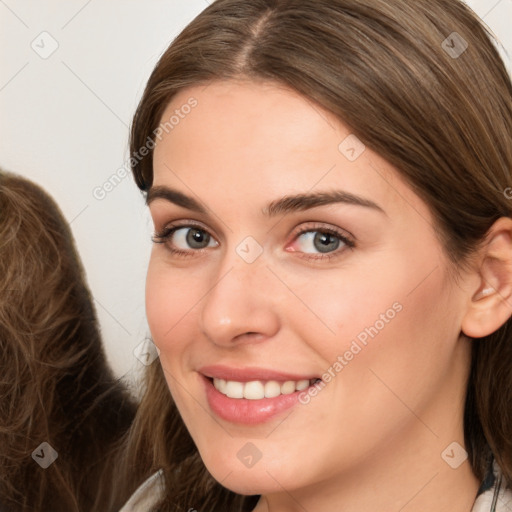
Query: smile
(252, 396)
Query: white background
(64, 124)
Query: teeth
(272, 389)
(303, 384)
(234, 389)
(253, 390)
(256, 389)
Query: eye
(320, 242)
(185, 239)
(193, 238)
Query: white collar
(497, 497)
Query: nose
(240, 306)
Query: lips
(249, 374)
(251, 395)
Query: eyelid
(185, 223)
(327, 228)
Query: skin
(372, 439)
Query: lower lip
(248, 412)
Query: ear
(491, 303)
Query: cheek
(398, 313)
(170, 299)
(403, 346)
(396, 344)
(343, 305)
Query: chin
(247, 481)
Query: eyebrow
(287, 204)
(302, 202)
(175, 197)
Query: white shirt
(147, 495)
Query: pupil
(197, 239)
(325, 242)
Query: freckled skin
(383, 420)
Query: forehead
(250, 115)
(264, 138)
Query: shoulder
(146, 495)
(494, 495)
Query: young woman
(62, 411)
(330, 286)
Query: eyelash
(165, 234)
(163, 237)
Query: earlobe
(491, 304)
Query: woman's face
(292, 253)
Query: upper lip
(248, 374)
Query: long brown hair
(421, 84)
(55, 384)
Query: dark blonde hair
(444, 120)
(55, 384)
